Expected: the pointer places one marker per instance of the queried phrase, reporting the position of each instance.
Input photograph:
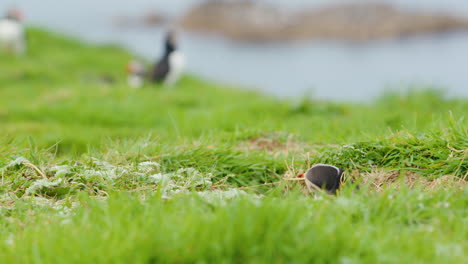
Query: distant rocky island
(361, 21)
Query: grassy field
(93, 171)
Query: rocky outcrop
(251, 21)
(362, 22)
(241, 20)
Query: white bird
(12, 35)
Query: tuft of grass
(435, 153)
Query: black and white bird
(324, 177)
(167, 70)
(12, 35)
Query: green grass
(376, 228)
(93, 171)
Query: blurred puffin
(167, 70)
(12, 36)
(325, 177)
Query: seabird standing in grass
(171, 66)
(167, 70)
(12, 36)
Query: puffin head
(325, 177)
(135, 67)
(15, 14)
(170, 41)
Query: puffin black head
(15, 14)
(170, 42)
(326, 177)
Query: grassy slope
(58, 91)
(57, 108)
